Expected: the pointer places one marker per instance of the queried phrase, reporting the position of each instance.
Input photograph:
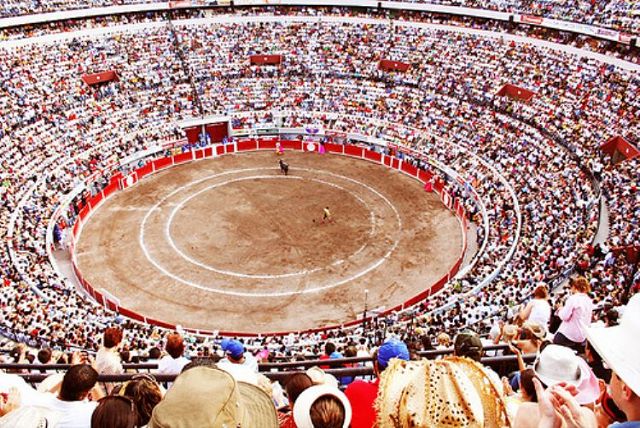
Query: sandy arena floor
(230, 244)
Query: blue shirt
(629, 424)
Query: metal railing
(275, 371)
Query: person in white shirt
(72, 402)
(175, 361)
(538, 309)
(108, 357)
(241, 365)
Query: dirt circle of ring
(372, 266)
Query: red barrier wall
(291, 145)
(182, 157)
(158, 164)
(373, 156)
(161, 163)
(95, 201)
(248, 145)
(145, 170)
(269, 144)
(409, 169)
(353, 151)
(333, 148)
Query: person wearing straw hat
(207, 397)
(445, 393)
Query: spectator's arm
(516, 350)
(524, 314)
(566, 311)
(496, 340)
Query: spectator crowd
(531, 172)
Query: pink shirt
(576, 317)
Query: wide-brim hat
(559, 364)
(439, 393)
(209, 397)
(619, 346)
(536, 329)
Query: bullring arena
(192, 244)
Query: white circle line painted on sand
(272, 294)
(179, 206)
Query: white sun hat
(302, 406)
(557, 364)
(619, 346)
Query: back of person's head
(112, 337)
(327, 412)
(175, 345)
(468, 344)
(541, 292)
(389, 350)
(443, 339)
(77, 382)
(297, 383)
(44, 355)
(115, 411)
(146, 394)
(125, 356)
(526, 383)
(581, 284)
(329, 348)
(322, 406)
(611, 318)
(426, 342)
(16, 352)
(350, 351)
(154, 353)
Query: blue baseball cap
(392, 348)
(232, 347)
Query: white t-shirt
(75, 414)
(540, 312)
(169, 365)
(240, 372)
(108, 361)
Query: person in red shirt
(362, 394)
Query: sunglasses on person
(124, 398)
(135, 378)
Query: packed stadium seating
(443, 96)
(617, 14)
(533, 178)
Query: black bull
(284, 167)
